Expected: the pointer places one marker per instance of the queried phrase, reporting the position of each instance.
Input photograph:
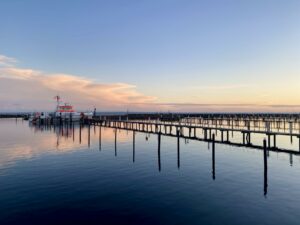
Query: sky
(151, 55)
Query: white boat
(66, 112)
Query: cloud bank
(27, 89)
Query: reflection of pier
(200, 132)
(68, 131)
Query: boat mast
(57, 97)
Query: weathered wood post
(213, 157)
(178, 149)
(222, 135)
(158, 152)
(265, 167)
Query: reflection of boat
(39, 117)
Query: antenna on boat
(57, 98)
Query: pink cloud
(34, 90)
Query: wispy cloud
(6, 61)
(222, 87)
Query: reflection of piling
(73, 132)
(115, 142)
(213, 157)
(265, 168)
(89, 136)
(80, 133)
(291, 159)
(158, 152)
(100, 137)
(133, 146)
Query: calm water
(49, 177)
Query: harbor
(149, 112)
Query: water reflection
(133, 146)
(46, 169)
(65, 133)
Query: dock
(203, 127)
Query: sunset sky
(154, 55)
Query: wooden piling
(178, 149)
(213, 157)
(265, 167)
(158, 152)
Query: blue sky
(178, 51)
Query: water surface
(51, 176)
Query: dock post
(158, 152)
(213, 157)
(249, 138)
(265, 168)
(178, 149)
(205, 134)
(227, 135)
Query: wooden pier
(204, 129)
